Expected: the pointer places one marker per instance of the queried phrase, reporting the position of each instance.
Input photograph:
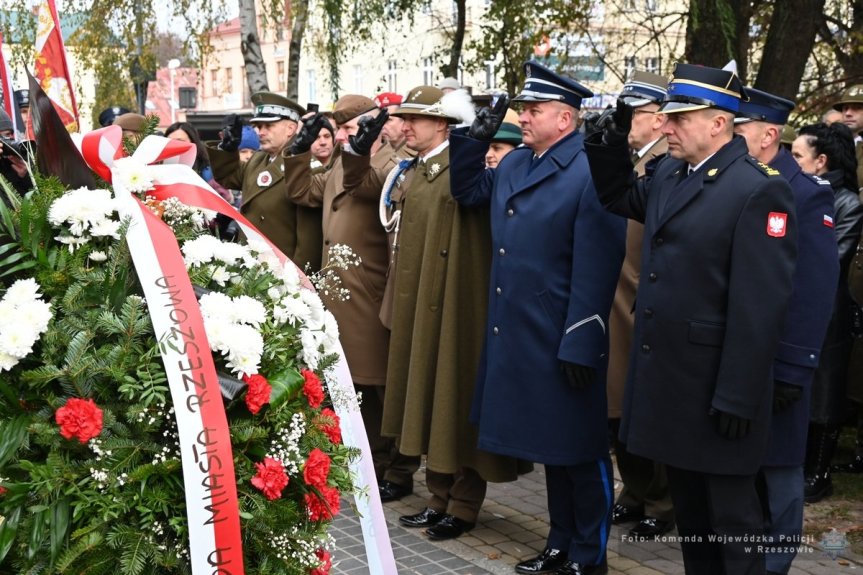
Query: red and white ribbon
(208, 471)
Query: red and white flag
(51, 68)
(8, 90)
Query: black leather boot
(819, 451)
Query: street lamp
(173, 64)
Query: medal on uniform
(265, 179)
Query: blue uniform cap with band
(699, 87)
(543, 85)
(644, 88)
(764, 107)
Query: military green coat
(440, 298)
(265, 202)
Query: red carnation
(326, 563)
(271, 478)
(79, 418)
(2, 491)
(323, 509)
(332, 430)
(317, 468)
(312, 388)
(258, 393)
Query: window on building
(628, 66)
(282, 79)
(392, 76)
(428, 72)
(247, 97)
(214, 82)
(454, 12)
(229, 80)
(310, 76)
(651, 64)
(358, 79)
(426, 7)
(650, 5)
(490, 80)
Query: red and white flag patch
(828, 221)
(776, 222)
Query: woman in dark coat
(828, 152)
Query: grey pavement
(512, 527)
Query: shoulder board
(762, 167)
(816, 179)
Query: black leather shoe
(546, 562)
(651, 527)
(573, 568)
(817, 487)
(853, 466)
(449, 527)
(622, 514)
(425, 518)
(390, 491)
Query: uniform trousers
(645, 482)
(460, 494)
(579, 508)
(716, 515)
(781, 490)
(390, 464)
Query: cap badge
(434, 169)
(776, 224)
(855, 91)
(416, 95)
(265, 179)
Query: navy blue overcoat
(556, 256)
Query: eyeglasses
(644, 112)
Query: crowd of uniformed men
(675, 268)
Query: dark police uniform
(719, 252)
(556, 257)
(815, 280)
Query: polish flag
(8, 91)
(51, 68)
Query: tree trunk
(711, 33)
(451, 69)
(790, 39)
(299, 17)
(250, 46)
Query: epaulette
(762, 167)
(817, 180)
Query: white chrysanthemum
(22, 291)
(316, 307)
(81, 208)
(36, 314)
(105, 228)
(292, 309)
(7, 361)
(98, 256)
(215, 304)
(17, 339)
(311, 352)
(246, 349)
(8, 312)
(221, 275)
(331, 330)
(248, 310)
(274, 293)
(201, 250)
(230, 253)
(132, 175)
(72, 241)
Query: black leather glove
(232, 133)
(784, 395)
(312, 126)
(731, 426)
(615, 124)
(578, 376)
(589, 120)
(488, 120)
(368, 131)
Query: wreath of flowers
(90, 472)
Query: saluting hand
(232, 133)
(488, 120)
(615, 124)
(312, 126)
(368, 130)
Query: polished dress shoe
(449, 527)
(546, 562)
(622, 514)
(573, 568)
(651, 527)
(390, 491)
(425, 518)
(853, 466)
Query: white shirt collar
(644, 149)
(701, 163)
(435, 151)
